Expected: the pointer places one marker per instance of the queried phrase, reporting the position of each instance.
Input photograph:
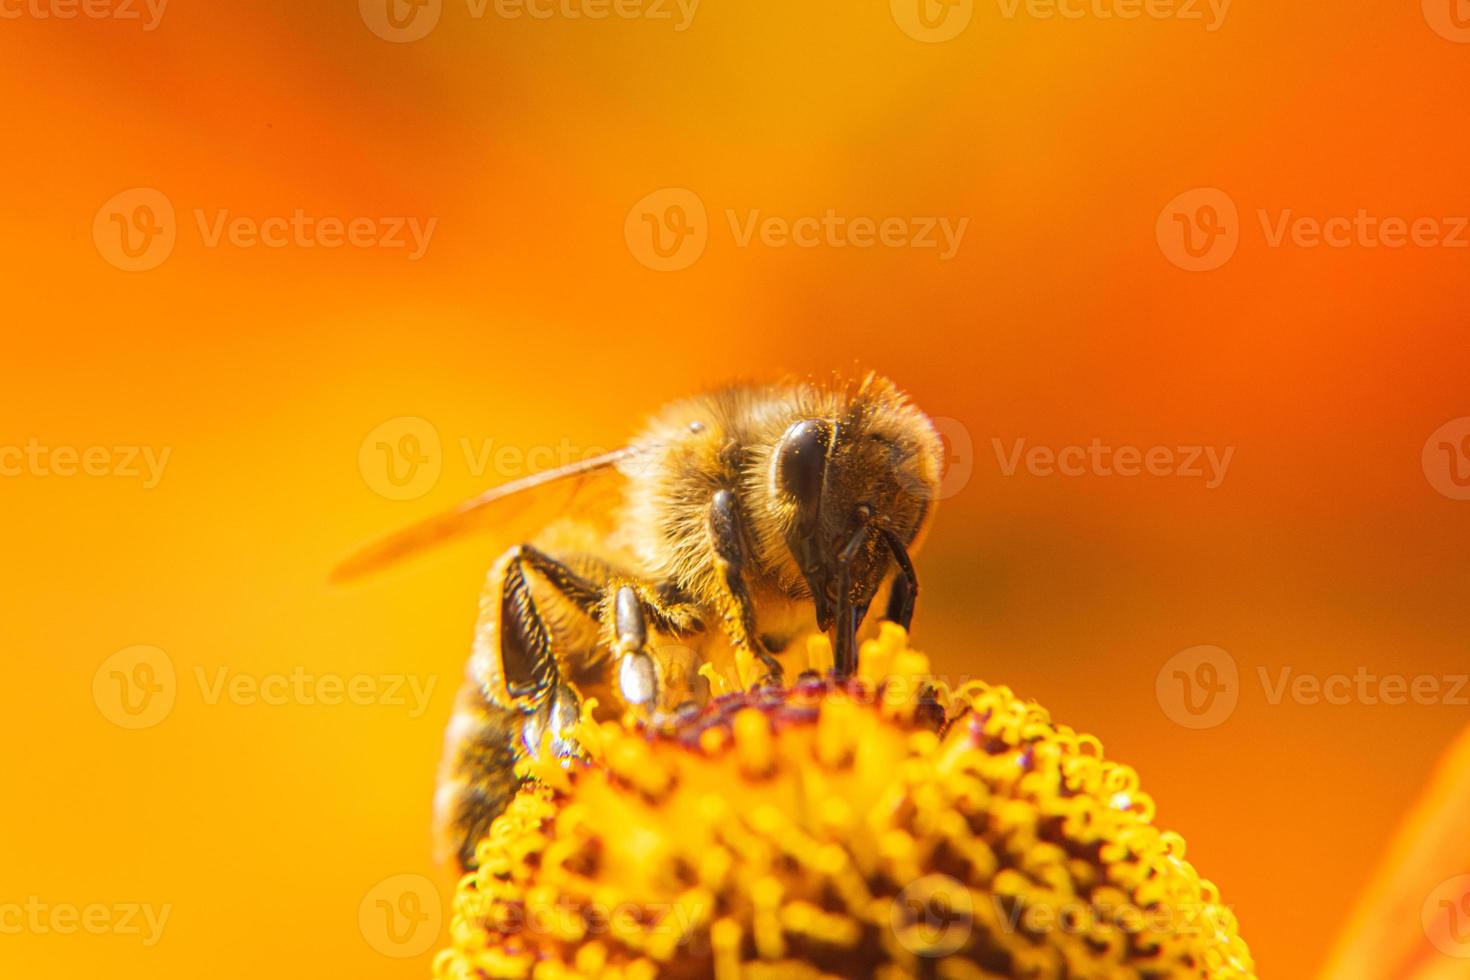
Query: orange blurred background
(532, 319)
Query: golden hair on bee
(865, 445)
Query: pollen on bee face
(841, 829)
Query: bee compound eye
(801, 461)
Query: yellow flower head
(878, 827)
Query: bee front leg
(637, 676)
(739, 611)
(905, 588)
(632, 610)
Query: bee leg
(637, 677)
(582, 592)
(516, 632)
(905, 588)
(514, 705)
(739, 613)
(556, 718)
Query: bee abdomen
(477, 777)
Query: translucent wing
(548, 494)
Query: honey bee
(732, 522)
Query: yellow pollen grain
(719, 684)
(835, 727)
(819, 653)
(754, 745)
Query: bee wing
(552, 492)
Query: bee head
(850, 492)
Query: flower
(881, 826)
(1412, 922)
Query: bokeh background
(533, 319)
